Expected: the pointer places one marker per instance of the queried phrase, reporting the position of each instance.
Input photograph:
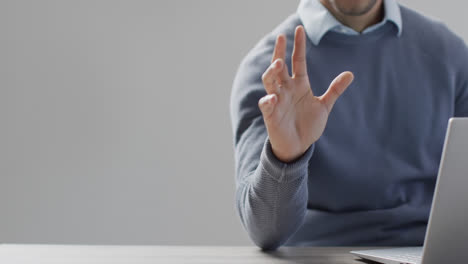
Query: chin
(353, 7)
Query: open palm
(293, 116)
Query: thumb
(267, 104)
(336, 88)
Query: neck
(361, 22)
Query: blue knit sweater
(369, 179)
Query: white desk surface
(12, 254)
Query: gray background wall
(114, 117)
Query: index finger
(299, 66)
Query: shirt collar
(318, 20)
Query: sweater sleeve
(271, 196)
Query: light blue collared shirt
(318, 20)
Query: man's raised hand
(293, 116)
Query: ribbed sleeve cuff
(284, 172)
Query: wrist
(281, 171)
(287, 156)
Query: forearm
(272, 201)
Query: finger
(280, 48)
(299, 66)
(337, 87)
(270, 77)
(283, 74)
(267, 105)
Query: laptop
(446, 238)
